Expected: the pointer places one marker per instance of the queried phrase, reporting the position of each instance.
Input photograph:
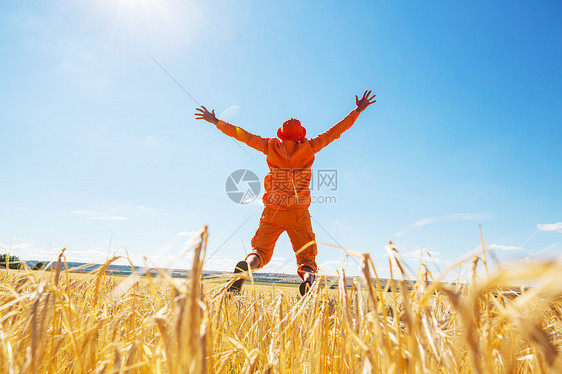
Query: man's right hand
(204, 114)
(364, 102)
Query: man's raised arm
(335, 131)
(254, 141)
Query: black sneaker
(235, 287)
(304, 287)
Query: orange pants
(297, 224)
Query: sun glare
(151, 23)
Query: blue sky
(101, 152)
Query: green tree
(38, 265)
(14, 261)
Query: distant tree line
(13, 262)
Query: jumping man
(287, 194)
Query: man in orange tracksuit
(287, 194)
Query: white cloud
(417, 254)
(160, 257)
(279, 264)
(192, 237)
(94, 256)
(446, 218)
(220, 264)
(28, 251)
(503, 247)
(188, 233)
(97, 216)
(278, 261)
(492, 247)
(147, 209)
(550, 226)
(109, 218)
(19, 246)
(100, 255)
(83, 213)
(163, 261)
(333, 267)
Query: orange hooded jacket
(288, 181)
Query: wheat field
(59, 322)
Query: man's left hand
(365, 101)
